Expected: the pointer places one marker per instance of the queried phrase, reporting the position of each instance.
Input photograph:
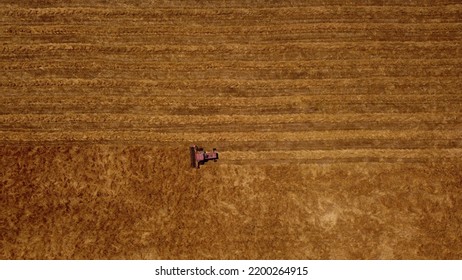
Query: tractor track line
(8, 136)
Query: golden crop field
(338, 123)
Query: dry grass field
(339, 127)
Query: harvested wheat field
(339, 127)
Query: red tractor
(199, 156)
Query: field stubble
(339, 127)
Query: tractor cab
(199, 156)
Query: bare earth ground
(339, 125)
